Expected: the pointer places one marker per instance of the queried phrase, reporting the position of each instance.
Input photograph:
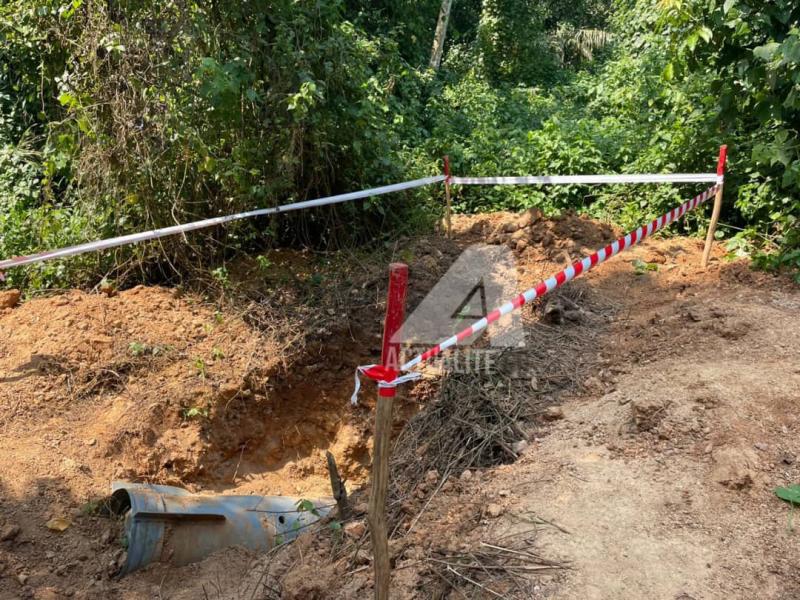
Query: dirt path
(658, 473)
(662, 473)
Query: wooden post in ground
(449, 209)
(378, 527)
(712, 226)
(338, 488)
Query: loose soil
(652, 475)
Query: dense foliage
(679, 78)
(116, 116)
(132, 114)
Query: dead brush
(477, 419)
(506, 568)
(473, 423)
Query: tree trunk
(441, 33)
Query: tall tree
(441, 34)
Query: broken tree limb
(338, 488)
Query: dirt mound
(532, 237)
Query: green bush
(162, 112)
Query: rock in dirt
(355, 529)
(529, 217)
(519, 447)
(646, 413)
(553, 312)
(592, 384)
(735, 468)
(47, 593)
(656, 257)
(58, 524)
(431, 477)
(494, 510)
(9, 532)
(466, 475)
(9, 298)
(517, 236)
(553, 413)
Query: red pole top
(723, 158)
(447, 166)
(395, 313)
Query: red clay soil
(661, 467)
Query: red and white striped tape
(135, 238)
(388, 378)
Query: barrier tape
(590, 179)
(388, 378)
(385, 376)
(135, 238)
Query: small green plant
(217, 353)
(640, 267)
(200, 366)
(789, 261)
(263, 262)
(195, 412)
(218, 318)
(307, 506)
(221, 276)
(141, 349)
(90, 508)
(137, 348)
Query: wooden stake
(447, 196)
(338, 488)
(712, 226)
(378, 527)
